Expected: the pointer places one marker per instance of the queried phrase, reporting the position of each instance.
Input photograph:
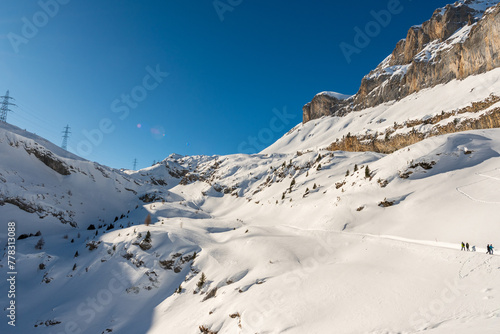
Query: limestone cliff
(459, 40)
(325, 103)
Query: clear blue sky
(225, 77)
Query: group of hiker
(489, 248)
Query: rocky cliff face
(459, 40)
(325, 103)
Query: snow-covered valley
(289, 243)
(300, 238)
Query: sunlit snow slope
(296, 239)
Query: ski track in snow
(471, 197)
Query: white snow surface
(292, 243)
(303, 264)
(319, 133)
(336, 95)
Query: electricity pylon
(4, 109)
(65, 136)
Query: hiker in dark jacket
(463, 246)
(467, 245)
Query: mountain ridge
(458, 41)
(307, 236)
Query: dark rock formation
(49, 160)
(321, 105)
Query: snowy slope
(423, 105)
(296, 239)
(302, 262)
(58, 187)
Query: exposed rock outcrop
(49, 159)
(323, 104)
(459, 40)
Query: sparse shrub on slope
(202, 281)
(368, 173)
(146, 242)
(40, 244)
(393, 142)
(206, 330)
(93, 245)
(385, 203)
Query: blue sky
(144, 79)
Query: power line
(135, 164)
(33, 115)
(66, 133)
(36, 125)
(4, 109)
(31, 126)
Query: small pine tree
(148, 237)
(76, 254)
(74, 267)
(347, 173)
(367, 172)
(147, 221)
(307, 174)
(307, 190)
(194, 255)
(292, 183)
(319, 167)
(202, 281)
(356, 168)
(315, 186)
(40, 244)
(179, 289)
(283, 196)
(319, 158)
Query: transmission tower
(4, 109)
(135, 164)
(65, 136)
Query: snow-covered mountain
(347, 224)
(459, 40)
(302, 242)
